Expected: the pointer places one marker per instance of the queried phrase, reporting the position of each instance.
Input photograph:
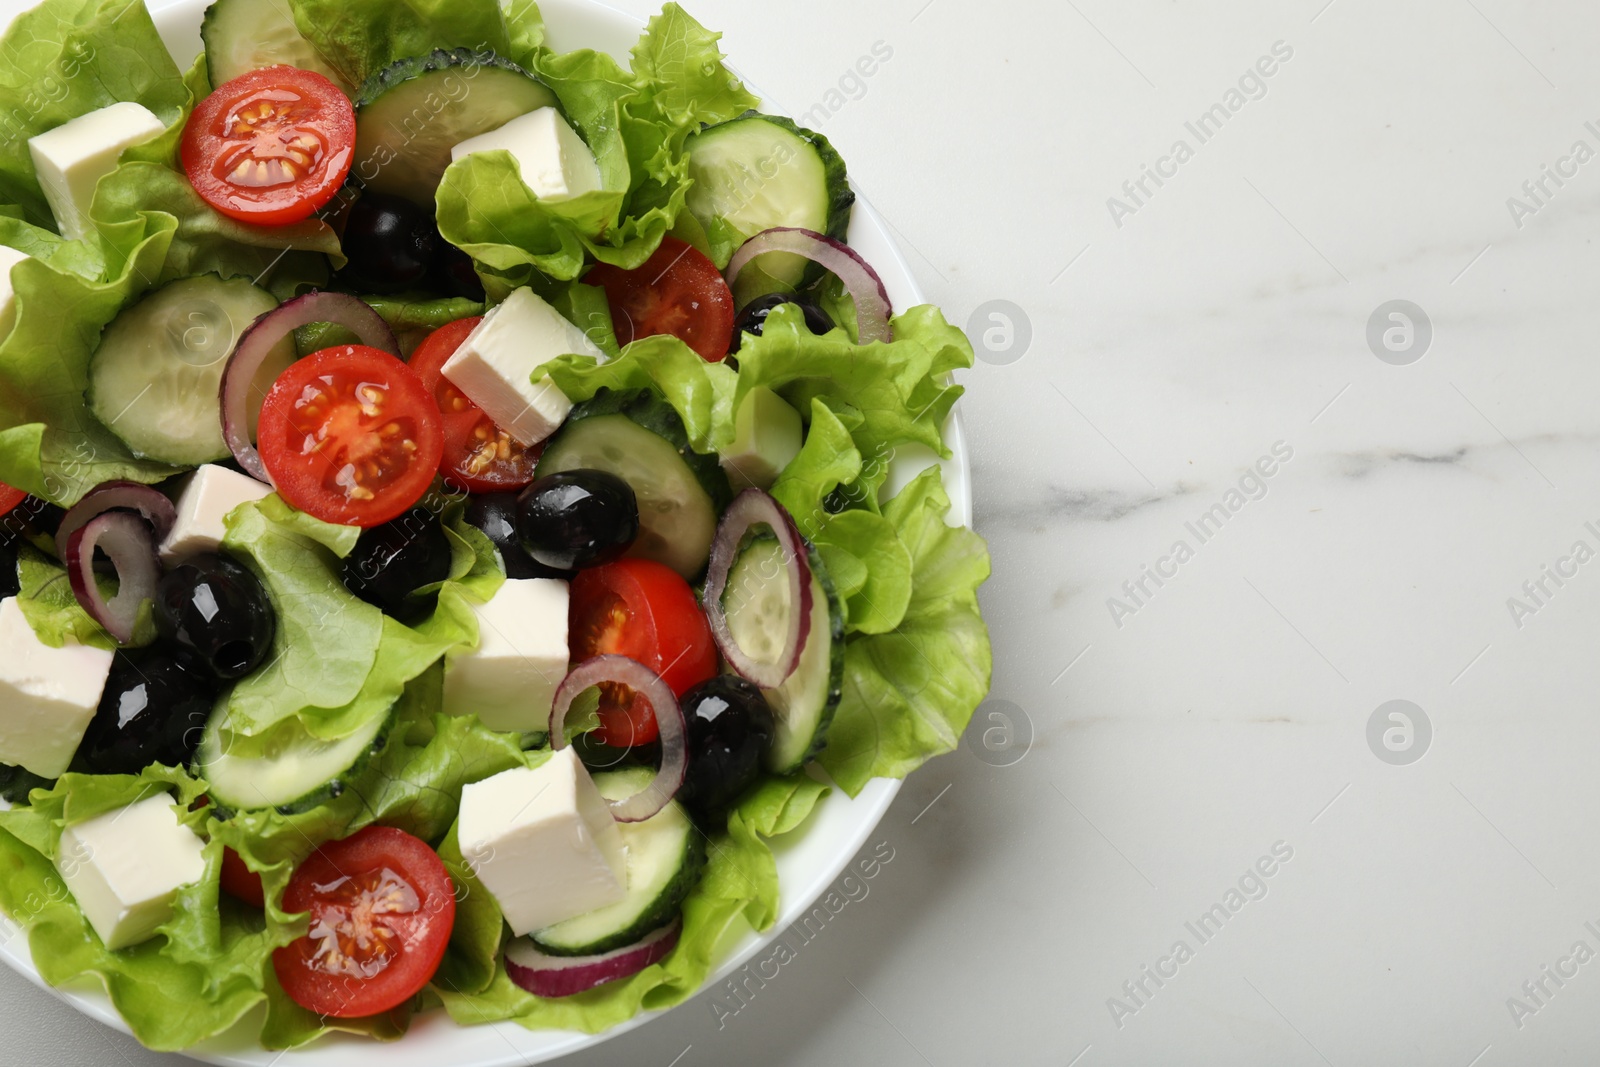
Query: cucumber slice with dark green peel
(665, 857)
(757, 606)
(245, 35)
(155, 379)
(638, 437)
(761, 171)
(287, 769)
(413, 112)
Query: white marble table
(1193, 733)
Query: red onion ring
(562, 976)
(873, 309)
(128, 540)
(263, 335)
(148, 501)
(754, 508)
(645, 683)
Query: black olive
(153, 710)
(730, 727)
(753, 316)
(453, 274)
(390, 243)
(10, 580)
(391, 562)
(577, 518)
(496, 515)
(600, 757)
(31, 517)
(215, 609)
(16, 783)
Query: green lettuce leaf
(636, 123)
(740, 885)
(411, 319)
(52, 611)
(51, 445)
(679, 64)
(909, 693)
(525, 31)
(361, 37)
(338, 662)
(700, 392)
(200, 974)
(151, 228)
(211, 964)
(149, 192)
(327, 640)
(827, 460)
(77, 257)
(65, 58)
(871, 569)
(414, 784)
(474, 953)
(897, 389)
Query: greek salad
(452, 529)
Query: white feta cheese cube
(9, 257)
(71, 159)
(554, 161)
(125, 867)
(495, 364)
(509, 680)
(543, 843)
(767, 435)
(48, 696)
(211, 493)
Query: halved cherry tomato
(382, 907)
(643, 610)
(270, 147)
(350, 435)
(677, 291)
(478, 455)
(10, 498)
(240, 882)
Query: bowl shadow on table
(775, 1019)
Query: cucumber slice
(410, 114)
(638, 437)
(761, 171)
(245, 35)
(665, 857)
(155, 378)
(757, 605)
(287, 769)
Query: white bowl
(808, 860)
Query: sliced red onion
(647, 684)
(562, 976)
(128, 540)
(873, 308)
(263, 335)
(148, 501)
(755, 508)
